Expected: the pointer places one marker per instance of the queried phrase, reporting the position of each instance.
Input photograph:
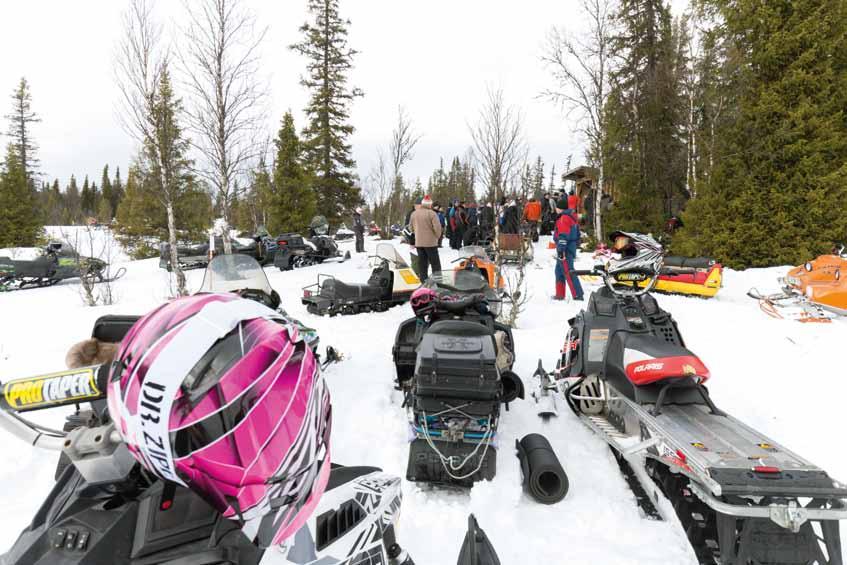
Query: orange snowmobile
(818, 288)
(474, 258)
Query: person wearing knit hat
(566, 236)
(426, 226)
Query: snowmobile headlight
(793, 281)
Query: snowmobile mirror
(808, 266)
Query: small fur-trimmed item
(90, 352)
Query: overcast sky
(434, 57)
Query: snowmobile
(696, 276)
(815, 291)
(391, 282)
(244, 276)
(474, 257)
(460, 376)
(343, 232)
(261, 247)
(295, 251)
(105, 509)
(741, 497)
(40, 267)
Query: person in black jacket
(359, 230)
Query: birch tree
(149, 112)
(580, 66)
(220, 61)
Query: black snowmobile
(459, 376)
(50, 265)
(742, 498)
(391, 282)
(260, 246)
(295, 251)
(105, 509)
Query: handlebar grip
(62, 388)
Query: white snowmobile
(741, 497)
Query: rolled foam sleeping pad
(543, 475)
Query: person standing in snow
(441, 219)
(566, 236)
(427, 229)
(359, 230)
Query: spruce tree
(645, 149)
(117, 191)
(86, 198)
(325, 139)
(777, 192)
(20, 224)
(20, 120)
(105, 212)
(73, 204)
(293, 203)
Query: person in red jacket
(566, 235)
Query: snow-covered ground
(784, 378)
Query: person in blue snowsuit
(566, 236)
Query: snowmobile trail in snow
(790, 391)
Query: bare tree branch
(220, 61)
(581, 66)
(499, 144)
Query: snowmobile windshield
(388, 252)
(477, 251)
(458, 281)
(229, 273)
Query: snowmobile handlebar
(63, 388)
(40, 392)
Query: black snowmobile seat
(334, 288)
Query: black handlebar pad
(543, 476)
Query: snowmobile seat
(459, 328)
(112, 328)
(334, 288)
(679, 262)
(640, 365)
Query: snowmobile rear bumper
(789, 516)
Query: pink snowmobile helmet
(422, 300)
(215, 393)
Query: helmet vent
(334, 524)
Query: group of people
(467, 224)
